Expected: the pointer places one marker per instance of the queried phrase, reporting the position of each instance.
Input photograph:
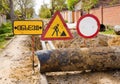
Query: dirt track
(15, 62)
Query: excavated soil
(114, 41)
(79, 42)
(109, 77)
(87, 77)
(16, 64)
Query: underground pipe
(98, 58)
(43, 45)
(51, 45)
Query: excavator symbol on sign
(56, 30)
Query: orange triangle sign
(56, 29)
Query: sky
(38, 3)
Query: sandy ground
(15, 63)
(108, 77)
(15, 68)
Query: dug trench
(83, 61)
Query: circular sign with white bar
(88, 26)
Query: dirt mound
(79, 42)
(110, 77)
(114, 42)
(107, 77)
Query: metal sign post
(85, 44)
(29, 27)
(33, 51)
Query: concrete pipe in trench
(98, 58)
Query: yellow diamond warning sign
(56, 29)
(28, 27)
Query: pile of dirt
(109, 77)
(105, 77)
(115, 41)
(79, 42)
(18, 56)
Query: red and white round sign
(88, 26)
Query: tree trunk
(12, 15)
(99, 58)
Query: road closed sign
(28, 27)
(88, 26)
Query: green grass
(2, 44)
(109, 31)
(5, 32)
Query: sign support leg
(85, 44)
(33, 51)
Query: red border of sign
(49, 24)
(98, 23)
